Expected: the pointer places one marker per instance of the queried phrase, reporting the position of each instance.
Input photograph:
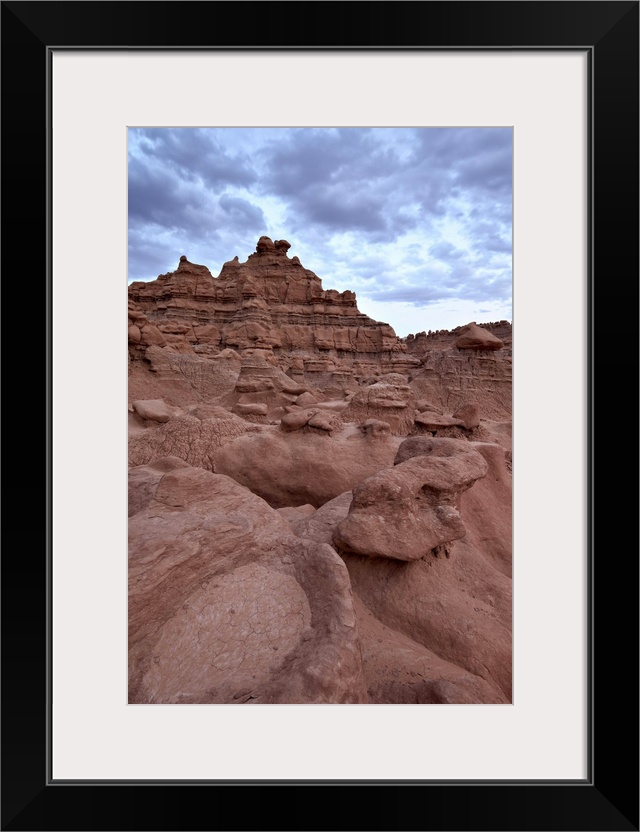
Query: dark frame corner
(608, 800)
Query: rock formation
(271, 303)
(226, 604)
(320, 512)
(409, 511)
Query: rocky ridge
(319, 511)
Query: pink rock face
(227, 605)
(436, 630)
(390, 403)
(269, 302)
(469, 414)
(300, 532)
(408, 512)
(306, 465)
(435, 421)
(194, 437)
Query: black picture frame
(608, 798)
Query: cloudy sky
(416, 221)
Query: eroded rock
(227, 605)
(407, 512)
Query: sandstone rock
(143, 481)
(421, 406)
(306, 399)
(408, 511)
(399, 670)
(193, 437)
(260, 382)
(294, 468)
(228, 353)
(449, 378)
(473, 337)
(434, 421)
(135, 335)
(320, 525)
(151, 335)
(250, 409)
(469, 414)
(268, 302)
(394, 404)
(375, 427)
(154, 410)
(326, 421)
(294, 513)
(458, 610)
(297, 419)
(227, 605)
(287, 388)
(181, 379)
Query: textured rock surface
(303, 466)
(300, 530)
(409, 511)
(194, 437)
(227, 605)
(269, 302)
(450, 378)
(457, 609)
(473, 337)
(393, 403)
(153, 410)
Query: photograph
(320, 415)
(329, 224)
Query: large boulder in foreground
(455, 613)
(227, 605)
(409, 511)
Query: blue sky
(416, 221)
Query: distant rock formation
(270, 302)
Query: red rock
(469, 413)
(294, 513)
(154, 410)
(134, 334)
(375, 427)
(306, 399)
(270, 302)
(285, 387)
(297, 419)
(408, 511)
(325, 421)
(227, 605)
(434, 421)
(303, 466)
(473, 337)
(193, 437)
(394, 404)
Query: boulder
(474, 337)
(469, 414)
(227, 605)
(408, 512)
(153, 410)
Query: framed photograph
(563, 78)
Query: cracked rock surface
(410, 510)
(319, 511)
(226, 604)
